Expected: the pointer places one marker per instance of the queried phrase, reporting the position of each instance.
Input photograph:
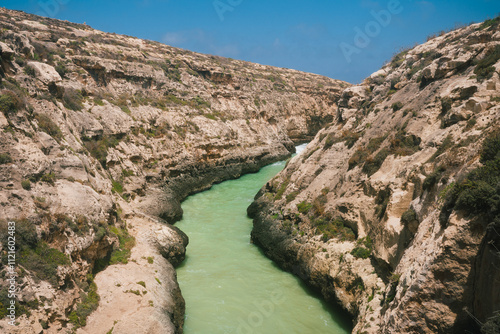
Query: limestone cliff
(101, 137)
(393, 209)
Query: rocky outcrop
(391, 211)
(102, 136)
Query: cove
(228, 283)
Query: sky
(341, 39)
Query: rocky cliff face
(393, 210)
(101, 137)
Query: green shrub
(26, 184)
(304, 207)
(49, 178)
(88, 304)
(281, 190)
(42, 261)
(150, 259)
(333, 229)
(126, 243)
(28, 70)
(291, 196)
(363, 249)
(491, 149)
(382, 201)
(490, 23)
(48, 126)
(350, 138)
(409, 216)
(484, 68)
(433, 178)
(9, 102)
(403, 144)
(399, 58)
(330, 140)
(447, 143)
(117, 186)
(61, 69)
(479, 193)
(397, 106)
(5, 158)
(361, 252)
(127, 172)
(98, 148)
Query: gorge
(391, 213)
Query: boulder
(171, 243)
(45, 72)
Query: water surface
(228, 284)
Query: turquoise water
(227, 282)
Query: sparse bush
(490, 23)
(26, 184)
(73, 99)
(281, 190)
(88, 304)
(49, 178)
(35, 255)
(333, 229)
(48, 126)
(127, 242)
(304, 207)
(399, 58)
(484, 68)
(479, 193)
(5, 158)
(492, 325)
(361, 252)
(28, 70)
(9, 102)
(403, 144)
(447, 143)
(433, 178)
(409, 216)
(117, 187)
(363, 249)
(61, 69)
(397, 106)
(98, 148)
(291, 196)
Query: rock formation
(101, 137)
(392, 211)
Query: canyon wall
(392, 211)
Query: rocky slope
(393, 210)
(101, 137)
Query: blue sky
(307, 35)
